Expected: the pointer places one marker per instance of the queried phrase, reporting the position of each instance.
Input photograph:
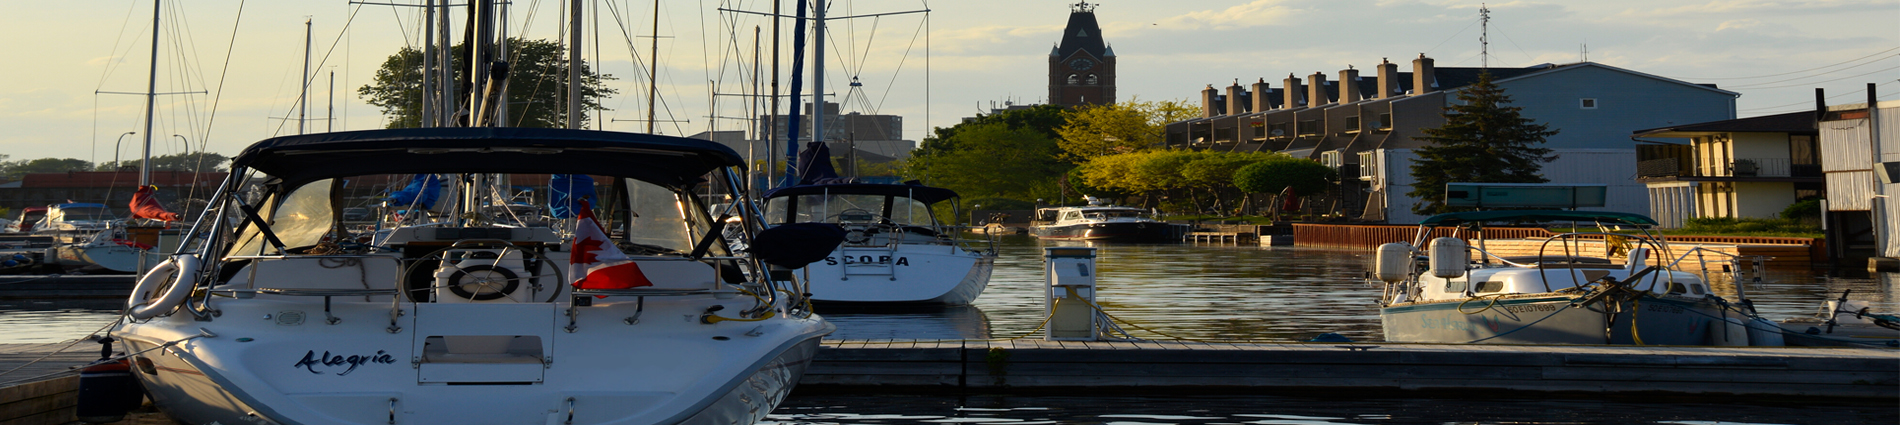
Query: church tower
(1082, 66)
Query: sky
(234, 76)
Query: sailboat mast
(428, 64)
(771, 118)
(653, 66)
(303, 97)
(151, 99)
(818, 74)
(574, 65)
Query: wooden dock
(1224, 238)
(1174, 367)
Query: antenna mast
(1484, 36)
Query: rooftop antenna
(1586, 52)
(1484, 36)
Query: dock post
(1069, 276)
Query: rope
(109, 359)
(88, 337)
(1487, 307)
(1573, 302)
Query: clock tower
(1082, 66)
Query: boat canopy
(659, 159)
(925, 194)
(1457, 218)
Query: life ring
(143, 305)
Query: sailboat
(274, 312)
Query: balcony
(1739, 168)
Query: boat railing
(959, 236)
(394, 291)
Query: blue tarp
(421, 192)
(566, 191)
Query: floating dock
(1152, 367)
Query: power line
(1790, 72)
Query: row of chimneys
(1423, 81)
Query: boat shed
(1860, 155)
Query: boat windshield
(1108, 214)
(848, 208)
(655, 218)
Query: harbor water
(1203, 292)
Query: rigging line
(400, 28)
(868, 42)
(1448, 39)
(111, 59)
(1822, 81)
(184, 51)
(900, 67)
(1790, 72)
(326, 55)
(1758, 85)
(639, 65)
(1829, 97)
(1520, 49)
(212, 116)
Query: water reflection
(1239, 293)
(907, 322)
(42, 320)
(1256, 409)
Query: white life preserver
(144, 305)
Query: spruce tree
(1482, 141)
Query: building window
(1589, 103)
(1309, 127)
(1072, 79)
(1277, 130)
(1352, 124)
(1385, 122)
(1091, 80)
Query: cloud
(1253, 14)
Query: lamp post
(186, 142)
(973, 208)
(115, 149)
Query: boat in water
(1843, 323)
(1105, 223)
(895, 249)
(1553, 295)
(273, 312)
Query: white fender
(144, 305)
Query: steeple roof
(1082, 33)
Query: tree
(992, 160)
(1276, 175)
(1482, 141)
(195, 161)
(1123, 127)
(537, 85)
(14, 169)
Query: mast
(428, 64)
(329, 115)
(447, 102)
(574, 65)
(303, 97)
(653, 66)
(818, 74)
(151, 99)
(771, 118)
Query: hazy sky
(1774, 52)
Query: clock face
(1081, 64)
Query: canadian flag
(595, 263)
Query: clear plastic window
(659, 217)
(300, 220)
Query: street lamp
(115, 149)
(186, 142)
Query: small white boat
(1104, 223)
(1552, 297)
(466, 320)
(895, 250)
(1843, 323)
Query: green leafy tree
(1482, 141)
(537, 85)
(1274, 176)
(1122, 127)
(195, 161)
(992, 160)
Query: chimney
(1260, 101)
(1234, 94)
(1316, 92)
(1207, 102)
(1388, 82)
(1349, 85)
(1424, 77)
(1292, 90)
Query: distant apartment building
(880, 135)
(1365, 126)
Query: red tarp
(145, 205)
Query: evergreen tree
(1482, 141)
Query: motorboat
(895, 249)
(1554, 295)
(1843, 322)
(1106, 223)
(24, 223)
(273, 312)
(74, 221)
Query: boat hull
(1109, 232)
(907, 273)
(1550, 319)
(318, 373)
(1817, 334)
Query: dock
(1172, 367)
(67, 286)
